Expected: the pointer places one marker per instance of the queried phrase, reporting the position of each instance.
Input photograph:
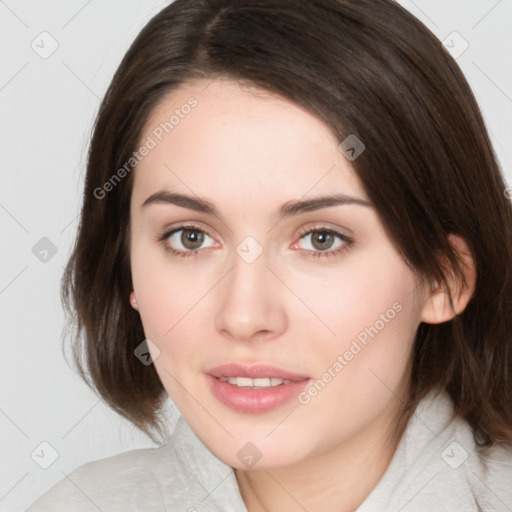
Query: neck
(338, 480)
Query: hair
(365, 67)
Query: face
(253, 269)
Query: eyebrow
(308, 205)
(192, 203)
(289, 209)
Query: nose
(251, 302)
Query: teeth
(245, 382)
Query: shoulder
(439, 466)
(461, 470)
(490, 472)
(468, 471)
(142, 479)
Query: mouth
(253, 371)
(254, 388)
(261, 383)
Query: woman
(294, 226)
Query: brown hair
(367, 68)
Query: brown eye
(322, 240)
(192, 238)
(186, 240)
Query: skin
(248, 153)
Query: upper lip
(253, 371)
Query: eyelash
(348, 242)
(183, 254)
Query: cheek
(171, 306)
(369, 316)
(370, 288)
(374, 313)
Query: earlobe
(439, 307)
(133, 301)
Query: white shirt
(437, 466)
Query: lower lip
(254, 400)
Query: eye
(186, 240)
(323, 242)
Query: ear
(133, 301)
(438, 307)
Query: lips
(254, 371)
(243, 396)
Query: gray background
(47, 105)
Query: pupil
(192, 239)
(322, 240)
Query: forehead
(222, 138)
